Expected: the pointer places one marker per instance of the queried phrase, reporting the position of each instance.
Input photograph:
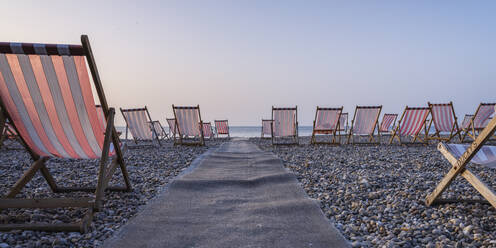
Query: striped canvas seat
(485, 156)
(189, 125)
(364, 122)
(411, 123)
(480, 120)
(444, 119)
(140, 124)
(326, 122)
(172, 126)
(46, 94)
(387, 123)
(343, 122)
(466, 121)
(222, 128)
(285, 124)
(266, 127)
(101, 115)
(207, 130)
(159, 130)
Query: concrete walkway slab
(237, 196)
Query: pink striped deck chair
(159, 130)
(387, 123)
(189, 126)
(172, 126)
(364, 123)
(222, 128)
(45, 92)
(466, 121)
(266, 128)
(411, 123)
(343, 123)
(139, 124)
(445, 121)
(326, 123)
(479, 120)
(459, 155)
(208, 130)
(284, 125)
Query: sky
(236, 59)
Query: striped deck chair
(189, 126)
(387, 123)
(479, 120)
(222, 128)
(445, 121)
(208, 130)
(466, 121)
(266, 128)
(326, 123)
(364, 123)
(284, 125)
(172, 127)
(45, 92)
(343, 124)
(411, 123)
(159, 130)
(459, 155)
(139, 123)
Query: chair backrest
(466, 121)
(365, 119)
(326, 119)
(484, 112)
(172, 125)
(47, 94)
(101, 115)
(138, 122)
(222, 126)
(284, 121)
(188, 120)
(266, 126)
(485, 156)
(443, 116)
(413, 120)
(343, 122)
(387, 123)
(207, 130)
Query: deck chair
(478, 121)
(159, 130)
(139, 124)
(222, 128)
(459, 155)
(172, 127)
(445, 121)
(284, 125)
(266, 128)
(387, 123)
(326, 122)
(208, 130)
(364, 123)
(189, 126)
(466, 121)
(411, 123)
(45, 92)
(343, 124)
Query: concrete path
(237, 196)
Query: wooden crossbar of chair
(294, 136)
(422, 141)
(154, 135)
(455, 129)
(372, 140)
(334, 132)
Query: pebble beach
(375, 194)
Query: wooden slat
(47, 203)
(71, 227)
(480, 186)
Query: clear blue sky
(238, 58)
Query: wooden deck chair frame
(472, 131)
(182, 139)
(217, 131)
(104, 175)
(416, 137)
(150, 122)
(262, 131)
(459, 167)
(294, 136)
(372, 140)
(7, 132)
(335, 132)
(455, 129)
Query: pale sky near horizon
(238, 58)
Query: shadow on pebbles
(375, 194)
(150, 169)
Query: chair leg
(28, 175)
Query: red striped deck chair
(172, 127)
(364, 123)
(222, 128)
(284, 125)
(189, 126)
(159, 130)
(445, 121)
(479, 120)
(208, 130)
(343, 123)
(266, 128)
(326, 123)
(466, 121)
(459, 155)
(45, 92)
(387, 123)
(139, 124)
(411, 123)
